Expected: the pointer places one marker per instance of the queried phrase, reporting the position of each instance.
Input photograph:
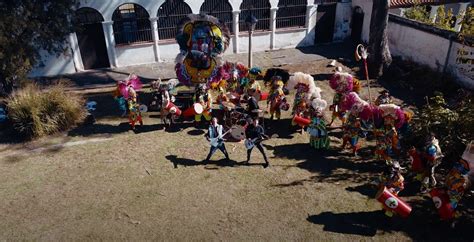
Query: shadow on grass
(325, 163)
(422, 224)
(221, 163)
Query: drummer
(252, 103)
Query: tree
(380, 57)
(418, 13)
(29, 28)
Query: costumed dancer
(305, 91)
(134, 114)
(433, 157)
(342, 83)
(383, 98)
(255, 134)
(424, 163)
(235, 72)
(457, 182)
(156, 101)
(203, 97)
(121, 101)
(393, 180)
(387, 139)
(252, 82)
(168, 110)
(129, 89)
(277, 100)
(356, 110)
(317, 130)
(272, 72)
(216, 138)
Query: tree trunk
(379, 53)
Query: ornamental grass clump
(35, 112)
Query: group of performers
(227, 96)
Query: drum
(301, 121)
(143, 108)
(196, 109)
(393, 203)
(173, 109)
(263, 96)
(259, 113)
(228, 106)
(284, 106)
(441, 201)
(234, 98)
(238, 132)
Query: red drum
(173, 109)
(301, 121)
(196, 109)
(263, 96)
(441, 201)
(393, 203)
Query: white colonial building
(118, 33)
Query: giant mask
(202, 40)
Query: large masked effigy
(202, 40)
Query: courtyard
(106, 182)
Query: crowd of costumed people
(228, 96)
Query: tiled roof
(411, 3)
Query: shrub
(35, 112)
(453, 123)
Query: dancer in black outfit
(256, 134)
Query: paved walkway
(283, 58)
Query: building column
(434, 13)
(76, 52)
(110, 42)
(156, 37)
(235, 28)
(310, 17)
(461, 13)
(273, 14)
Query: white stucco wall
(342, 26)
(54, 65)
(122, 55)
(128, 55)
(417, 45)
(366, 5)
(260, 41)
(290, 39)
(431, 50)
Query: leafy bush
(35, 112)
(418, 13)
(453, 124)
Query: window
(260, 9)
(220, 9)
(131, 24)
(169, 15)
(291, 13)
(88, 16)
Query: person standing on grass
(255, 135)
(215, 137)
